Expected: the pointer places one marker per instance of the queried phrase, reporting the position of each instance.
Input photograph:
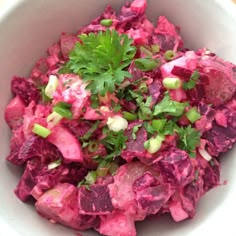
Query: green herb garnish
(63, 109)
(101, 60)
(189, 138)
(114, 143)
(192, 81)
(169, 106)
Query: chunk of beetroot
(122, 192)
(95, 201)
(221, 84)
(25, 89)
(14, 112)
(219, 139)
(36, 146)
(16, 142)
(27, 181)
(134, 147)
(67, 143)
(175, 166)
(152, 199)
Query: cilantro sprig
(101, 60)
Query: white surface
(25, 33)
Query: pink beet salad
(121, 122)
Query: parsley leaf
(189, 138)
(114, 143)
(169, 106)
(101, 59)
(192, 81)
(135, 130)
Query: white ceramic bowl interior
(28, 27)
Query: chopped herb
(158, 125)
(143, 87)
(63, 109)
(147, 64)
(95, 101)
(146, 51)
(189, 139)
(90, 131)
(101, 60)
(114, 143)
(115, 106)
(129, 116)
(135, 130)
(150, 130)
(194, 79)
(170, 107)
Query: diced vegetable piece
(193, 115)
(51, 86)
(171, 83)
(41, 131)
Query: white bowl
(28, 27)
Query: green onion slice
(193, 115)
(171, 83)
(106, 22)
(169, 55)
(40, 130)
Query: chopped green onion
(54, 164)
(54, 118)
(91, 177)
(63, 109)
(169, 55)
(193, 115)
(169, 106)
(194, 79)
(158, 125)
(41, 131)
(147, 64)
(94, 101)
(51, 86)
(171, 83)
(102, 171)
(143, 87)
(155, 48)
(90, 131)
(145, 113)
(146, 51)
(135, 130)
(106, 22)
(154, 144)
(113, 168)
(92, 146)
(129, 116)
